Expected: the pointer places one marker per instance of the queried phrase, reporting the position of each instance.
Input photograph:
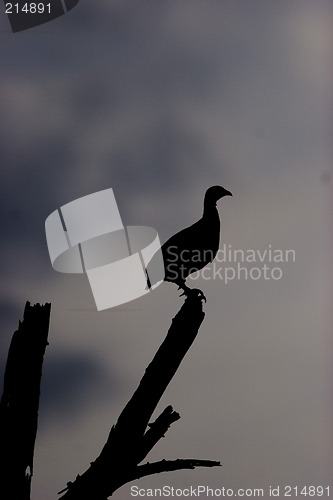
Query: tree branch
(158, 374)
(157, 430)
(171, 465)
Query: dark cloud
(72, 381)
(11, 311)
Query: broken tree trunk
(20, 401)
(129, 440)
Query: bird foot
(193, 291)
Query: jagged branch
(172, 465)
(20, 401)
(129, 440)
(157, 430)
(158, 374)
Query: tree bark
(20, 401)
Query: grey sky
(159, 101)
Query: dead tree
(132, 437)
(20, 401)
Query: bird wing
(189, 250)
(197, 237)
(186, 237)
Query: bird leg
(191, 291)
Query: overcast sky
(160, 100)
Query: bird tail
(148, 287)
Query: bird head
(214, 193)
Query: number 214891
(28, 8)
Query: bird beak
(228, 193)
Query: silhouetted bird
(192, 248)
